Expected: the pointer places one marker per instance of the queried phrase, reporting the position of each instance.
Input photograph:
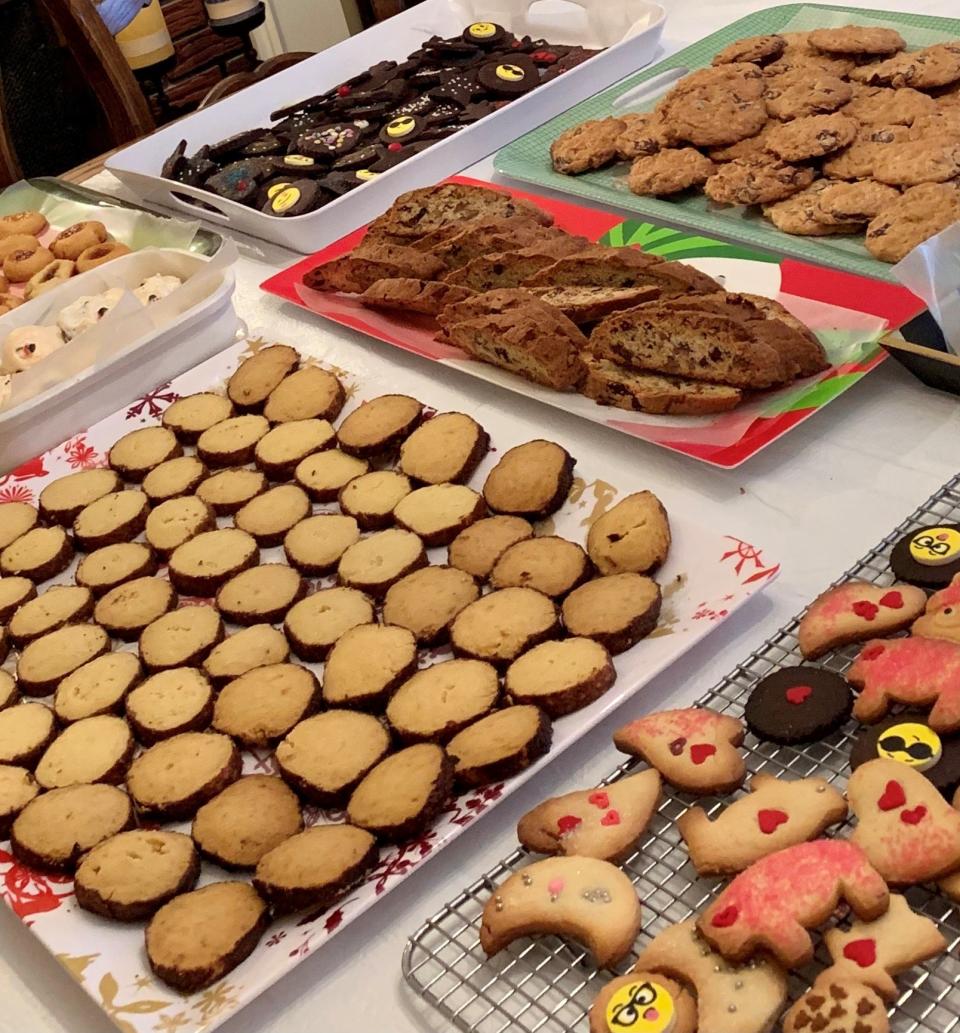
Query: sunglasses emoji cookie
(643, 1002)
(908, 738)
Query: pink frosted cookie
(941, 619)
(855, 611)
(773, 903)
(916, 671)
(695, 749)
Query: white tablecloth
(816, 500)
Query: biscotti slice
(173, 478)
(232, 441)
(315, 868)
(195, 939)
(599, 267)
(190, 416)
(106, 568)
(315, 623)
(500, 626)
(138, 452)
(269, 516)
(17, 788)
(485, 236)
(174, 777)
(16, 518)
(261, 706)
(180, 638)
(355, 271)
(560, 677)
(379, 425)
(257, 646)
(229, 490)
(169, 703)
(426, 601)
(439, 512)
(39, 554)
(616, 611)
(367, 664)
(261, 594)
(324, 757)
(45, 661)
(201, 565)
(323, 474)
(250, 385)
(512, 268)
(117, 517)
(14, 593)
(177, 521)
(9, 693)
(130, 875)
(247, 820)
(127, 609)
(371, 497)
(310, 393)
(805, 347)
(315, 545)
(58, 605)
(402, 795)
(445, 449)
(98, 687)
(408, 294)
(439, 701)
(61, 500)
(530, 480)
(57, 828)
(94, 749)
(633, 536)
(26, 730)
(583, 305)
(373, 564)
(608, 383)
(280, 450)
(549, 564)
(500, 745)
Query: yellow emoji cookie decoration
(366, 174)
(275, 189)
(401, 126)
(284, 199)
(936, 546)
(297, 159)
(912, 744)
(510, 73)
(641, 1007)
(482, 30)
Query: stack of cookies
(833, 131)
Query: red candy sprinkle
(865, 609)
(893, 797)
(676, 747)
(892, 600)
(545, 57)
(915, 816)
(863, 952)
(567, 823)
(726, 917)
(599, 799)
(394, 146)
(611, 818)
(344, 90)
(798, 694)
(770, 821)
(701, 751)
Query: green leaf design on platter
(667, 242)
(813, 397)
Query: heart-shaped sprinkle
(862, 952)
(798, 694)
(726, 917)
(599, 799)
(555, 887)
(611, 818)
(769, 820)
(892, 600)
(872, 652)
(701, 751)
(893, 797)
(567, 823)
(865, 609)
(676, 747)
(915, 816)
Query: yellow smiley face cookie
(935, 546)
(401, 126)
(510, 73)
(912, 744)
(642, 1006)
(482, 30)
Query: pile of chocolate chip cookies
(834, 131)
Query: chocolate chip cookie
(881, 106)
(854, 202)
(754, 49)
(756, 181)
(918, 161)
(799, 93)
(801, 214)
(715, 106)
(919, 213)
(857, 39)
(589, 145)
(812, 137)
(669, 171)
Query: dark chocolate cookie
(402, 129)
(233, 145)
(928, 556)
(300, 165)
(908, 738)
(329, 141)
(509, 76)
(303, 195)
(798, 704)
(485, 34)
(236, 182)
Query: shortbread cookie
(589, 145)
(208, 560)
(771, 905)
(694, 749)
(180, 638)
(310, 393)
(379, 425)
(616, 611)
(403, 794)
(441, 700)
(114, 565)
(500, 626)
(315, 868)
(373, 564)
(17, 788)
(127, 609)
(427, 601)
(94, 749)
(323, 474)
(16, 518)
(38, 555)
(315, 545)
(14, 592)
(130, 875)
(9, 694)
(371, 497)
(908, 739)
(324, 757)
(500, 745)
(477, 547)
(54, 830)
(232, 442)
(247, 820)
(606, 822)
(845, 1006)
(269, 516)
(190, 416)
(549, 564)
(798, 704)
(531, 480)
(669, 171)
(439, 512)
(168, 703)
(367, 665)
(857, 39)
(643, 994)
(98, 687)
(446, 448)
(229, 490)
(138, 452)
(314, 624)
(260, 595)
(280, 450)
(256, 646)
(174, 777)
(220, 924)
(58, 605)
(261, 706)
(117, 517)
(61, 500)
(174, 478)
(633, 536)
(580, 898)
(47, 660)
(251, 383)
(560, 677)
(26, 730)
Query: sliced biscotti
(378, 426)
(260, 595)
(584, 305)
(371, 497)
(531, 480)
(61, 500)
(99, 687)
(208, 560)
(261, 706)
(47, 660)
(373, 564)
(426, 601)
(314, 624)
(250, 385)
(485, 236)
(232, 442)
(38, 555)
(408, 294)
(177, 521)
(94, 749)
(598, 266)
(354, 272)
(190, 416)
(16, 518)
(367, 664)
(280, 450)
(616, 611)
(17, 788)
(804, 345)
(117, 517)
(513, 268)
(609, 383)
(256, 646)
(315, 545)
(15, 591)
(169, 703)
(479, 546)
(549, 564)
(323, 474)
(310, 393)
(560, 677)
(58, 605)
(446, 448)
(26, 730)
(174, 478)
(104, 569)
(180, 638)
(500, 626)
(127, 609)
(138, 452)
(439, 512)
(500, 745)
(441, 700)
(229, 490)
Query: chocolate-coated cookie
(928, 556)
(485, 34)
(908, 738)
(295, 198)
(329, 141)
(236, 182)
(509, 76)
(233, 145)
(798, 704)
(402, 129)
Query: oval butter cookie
(500, 626)
(169, 703)
(129, 607)
(531, 480)
(256, 646)
(367, 664)
(633, 536)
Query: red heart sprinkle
(893, 797)
(344, 90)
(799, 693)
(676, 747)
(726, 917)
(568, 823)
(769, 821)
(863, 952)
(865, 609)
(599, 799)
(872, 652)
(915, 816)
(892, 600)
(701, 751)
(611, 818)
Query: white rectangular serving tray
(707, 577)
(138, 166)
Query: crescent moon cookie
(857, 611)
(928, 556)
(694, 749)
(643, 1002)
(772, 904)
(777, 814)
(941, 619)
(581, 898)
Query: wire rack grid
(546, 985)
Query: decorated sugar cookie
(643, 1002)
(837, 1006)
(908, 738)
(941, 618)
(928, 556)
(798, 704)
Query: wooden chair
(241, 80)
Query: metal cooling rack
(546, 985)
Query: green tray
(528, 158)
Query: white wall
(305, 25)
